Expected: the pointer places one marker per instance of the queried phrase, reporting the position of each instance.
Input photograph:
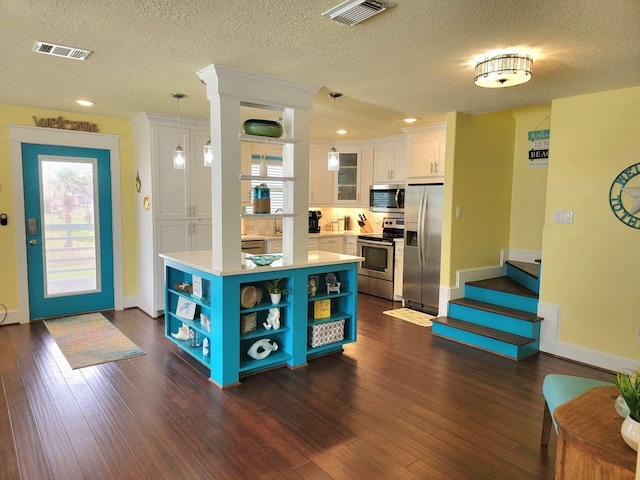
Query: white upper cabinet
(426, 148)
(390, 162)
(347, 179)
(180, 193)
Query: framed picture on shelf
(185, 308)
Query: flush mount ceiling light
(61, 51)
(333, 162)
(356, 11)
(342, 132)
(504, 70)
(85, 103)
(410, 120)
(179, 161)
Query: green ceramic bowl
(264, 260)
(263, 128)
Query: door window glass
(69, 226)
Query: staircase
(498, 314)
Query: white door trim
(19, 134)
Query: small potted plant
(628, 382)
(276, 287)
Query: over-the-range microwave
(386, 198)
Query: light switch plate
(563, 216)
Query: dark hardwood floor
(397, 404)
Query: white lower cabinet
(332, 244)
(398, 268)
(350, 246)
(314, 244)
(274, 245)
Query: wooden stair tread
(528, 268)
(504, 284)
(505, 337)
(499, 309)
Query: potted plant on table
(276, 288)
(628, 382)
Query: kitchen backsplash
(330, 221)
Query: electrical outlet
(458, 212)
(638, 339)
(563, 216)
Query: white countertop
(337, 233)
(202, 260)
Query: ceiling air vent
(356, 11)
(61, 51)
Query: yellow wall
(478, 176)
(590, 268)
(529, 186)
(15, 115)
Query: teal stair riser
(522, 278)
(495, 320)
(485, 343)
(527, 304)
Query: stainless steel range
(376, 271)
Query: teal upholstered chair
(559, 389)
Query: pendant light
(179, 160)
(208, 153)
(333, 163)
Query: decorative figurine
(313, 285)
(262, 349)
(333, 285)
(273, 319)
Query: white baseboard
(519, 256)
(549, 343)
(130, 302)
(14, 316)
(462, 277)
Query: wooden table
(590, 446)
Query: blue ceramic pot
(263, 128)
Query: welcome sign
(538, 148)
(64, 124)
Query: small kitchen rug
(90, 339)
(413, 316)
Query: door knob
(33, 242)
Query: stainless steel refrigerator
(422, 240)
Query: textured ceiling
(412, 60)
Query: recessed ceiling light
(85, 103)
(342, 132)
(410, 120)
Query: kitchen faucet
(277, 229)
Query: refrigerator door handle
(425, 227)
(421, 232)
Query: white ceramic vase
(630, 431)
(275, 298)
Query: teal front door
(67, 198)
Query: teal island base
(229, 323)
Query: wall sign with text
(64, 124)
(624, 196)
(538, 148)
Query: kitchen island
(230, 315)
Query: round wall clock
(624, 196)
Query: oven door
(378, 259)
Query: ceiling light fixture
(85, 103)
(505, 70)
(410, 120)
(179, 161)
(342, 132)
(333, 163)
